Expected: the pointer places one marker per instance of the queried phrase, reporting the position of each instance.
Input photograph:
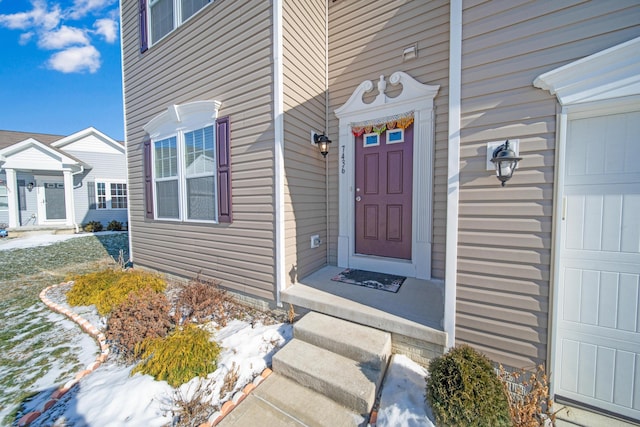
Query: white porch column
(68, 198)
(12, 194)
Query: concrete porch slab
(415, 311)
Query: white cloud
(67, 30)
(63, 37)
(26, 37)
(83, 7)
(76, 59)
(107, 28)
(40, 16)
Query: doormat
(370, 279)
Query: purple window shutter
(148, 179)
(142, 16)
(224, 170)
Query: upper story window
(166, 15)
(187, 164)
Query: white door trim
(416, 97)
(42, 207)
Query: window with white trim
(185, 175)
(167, 15)
(187, 164)
(107, 195)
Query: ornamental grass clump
(464, 390)
(184, 354)
(109, 288)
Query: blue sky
(60, 66)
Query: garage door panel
(599, 373)
(597, 350)
(631, 223)
(605, 299)
(607, 222)
(628, 302)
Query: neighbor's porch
(414, 315)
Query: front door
(384, 177)
(54, 201)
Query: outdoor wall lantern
(505, 161)
(30, 186)
(322, 141)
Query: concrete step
(279, 401)
(350, 383)
(357, 342)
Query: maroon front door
(384, 176)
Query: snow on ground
(111, 397)
(403, 393)
(7, 243)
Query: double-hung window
(184, 171)
(166, 15)
(107, 195)
(187, 170)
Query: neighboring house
(57, 182)
(543, 270)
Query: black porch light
(505, 161)
(322, 141)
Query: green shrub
(142, 315)
(109, 288)
(92, 226)
(464, 390)
(114, 225)
(184, 354)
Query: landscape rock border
(101, 339)
(88, 328)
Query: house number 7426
(343, 162)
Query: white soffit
(611, 73)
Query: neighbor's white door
(597, 348)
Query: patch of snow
(111, 397)
(42, 239)
(402, 402)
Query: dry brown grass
(531, 405)
(201, 300)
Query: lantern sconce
(503, 158)
(322, 142)
(30, 186)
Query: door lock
(358, 198)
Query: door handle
(358, 198)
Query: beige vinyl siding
(222, 53)
(366, 40)
(505, 234)
(304, 110)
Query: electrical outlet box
(315, 241)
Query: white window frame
(6, 195)
(176, 122)
(107, 188)
(177, 18)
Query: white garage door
(597, 349)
